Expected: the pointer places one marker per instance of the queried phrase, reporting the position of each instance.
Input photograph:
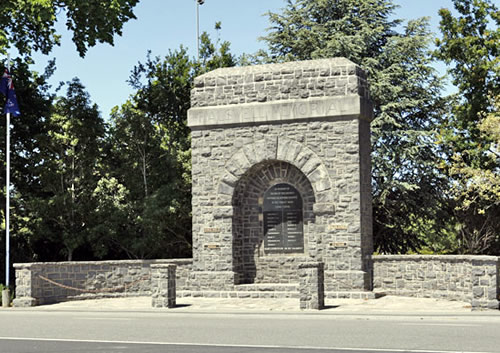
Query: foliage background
(86, 188)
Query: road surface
(168, 331)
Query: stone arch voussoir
(281, 149)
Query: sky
(164, 25)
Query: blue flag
(7, 89)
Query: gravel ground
(387, 304)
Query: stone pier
(163, 291)
(311, 286)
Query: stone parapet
(52, 282)
(279, 82)
(473, 279)
(280, 93)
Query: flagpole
(198, 30)
(6, 292)
(198, 3)
(7, 208)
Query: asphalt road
(37, 346)
(33, 346)
(34, 332)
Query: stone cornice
(352, 106)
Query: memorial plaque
(212, 230)
(283, 225)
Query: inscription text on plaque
(283, 220)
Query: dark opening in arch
(251, 262)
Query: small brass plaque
(338, 226)
(212, 230)
(212, 246)
(338, 244)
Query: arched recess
(251, 263)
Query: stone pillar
(163, 291)
(485, 283)
(311, 286)
(28, 287)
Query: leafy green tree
(149, 146)
(406, 92)
(26, 132)
(112, 220)
(470, 44)
(150, 153)
(30, 25)
(69, 173)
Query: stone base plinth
(212, 280)
(24, 302)
(485, 304)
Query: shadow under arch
(250, 261)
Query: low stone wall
(473, 279)
(52, 282)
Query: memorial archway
(303, 124)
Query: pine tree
(406, 92)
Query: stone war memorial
(281, 204)
(281, 175)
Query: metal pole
(6, 292)
(198, 29)
(7, 198)
(7, 207)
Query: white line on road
(233, 345)
(427, 324)
(103, 318)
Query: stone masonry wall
(333, 231)
(473, 279)
(96, 279)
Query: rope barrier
(117, 289)
(107, 290)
